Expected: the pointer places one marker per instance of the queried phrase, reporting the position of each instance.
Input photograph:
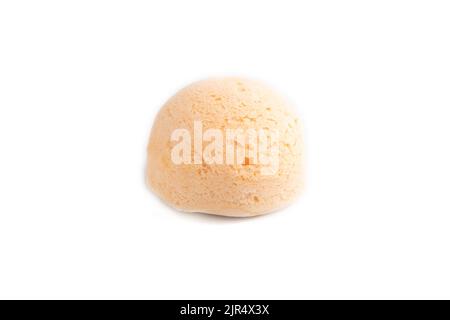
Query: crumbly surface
(232, 190)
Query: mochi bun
(226, 146)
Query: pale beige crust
(229, 190)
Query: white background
(81, 82)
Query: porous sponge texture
(238, 190)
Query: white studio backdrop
(81, 82)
